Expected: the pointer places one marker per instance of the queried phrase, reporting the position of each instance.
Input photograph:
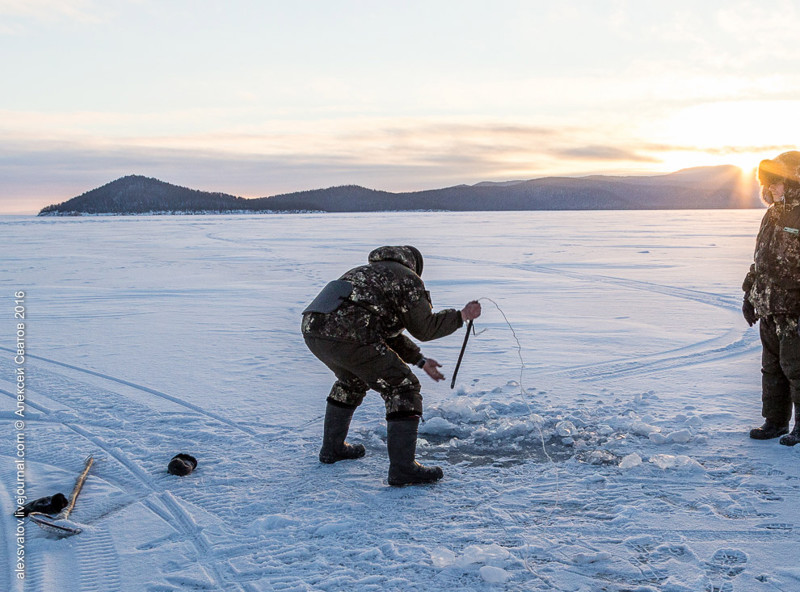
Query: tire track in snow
(28, 403)
(709, 350)
(709, 298)
(160, 394)
(58, 571)
(39, 567)
(695, 535)
(97, 568)
(169, 510)
(43, 571)
(173, 513)
(8, 544)
(45, 415)
(126, 473)
(661, 361)
(274, 259)
(99, 562)
(111, 451)
(746, 343)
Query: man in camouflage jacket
(772, 294)
(355, 327)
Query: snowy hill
(136, 194)
(697, 188)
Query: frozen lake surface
(616, 459)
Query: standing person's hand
(431, 369)
(471, 311)
(749, 312)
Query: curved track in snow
(145, 389)
(96, 554)
(732, 342)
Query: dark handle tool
(461, 355)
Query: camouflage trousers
(780, 368)
(359, 367)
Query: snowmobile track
(169, 509)
(101, 554)
(660, 362)
(162, 395)
(28, 403)
(99, 562)
(698, 296)
(708, 298)
(702, 352)
(7, 553)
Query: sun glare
(740, 133)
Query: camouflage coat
(773, 282)
(387, 297)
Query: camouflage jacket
(388, 297)
(773, 283)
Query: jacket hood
(406, 255)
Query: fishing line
(522, 390)
(538, 423)
(519, 345)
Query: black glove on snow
(52, 504)
(749, 312)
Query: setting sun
(730, 132)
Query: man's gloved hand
(749, 312)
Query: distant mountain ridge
(696, 188)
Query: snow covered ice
(616, 459)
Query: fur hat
(783, 168)
(182, 464)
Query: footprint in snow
(727, 562)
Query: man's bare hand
(471, 311)
(430, 368)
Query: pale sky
(257, 98)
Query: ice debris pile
(488, 560)
(508, 424)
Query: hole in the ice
(496, 453)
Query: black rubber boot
(768, 431)
(337, 424)
(793, 437)
(401, 441)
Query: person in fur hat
(772, 297)
(355, 326)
